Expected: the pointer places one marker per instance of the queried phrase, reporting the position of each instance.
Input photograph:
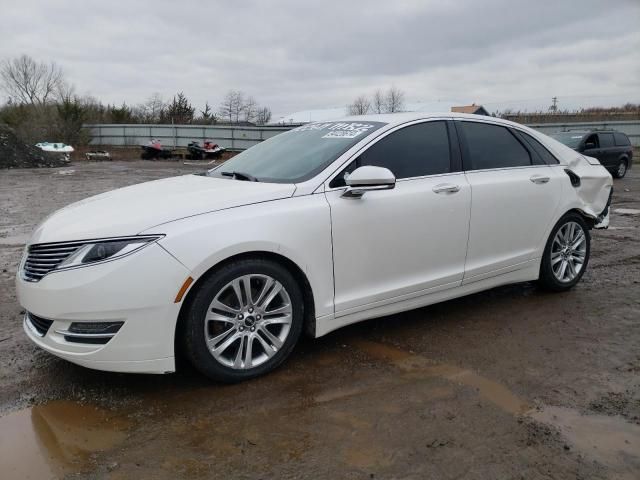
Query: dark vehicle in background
(612, 149)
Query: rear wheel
(244, 320)
(566, 254)
(621, 169)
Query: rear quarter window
(621, 139)
(546, 156)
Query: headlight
(106, 249)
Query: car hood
(131, 210)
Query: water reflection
(55, 439)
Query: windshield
(296, 155)
(570, 139)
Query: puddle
(492, 391)
(627, 211)
(55, 439)
(610, 440)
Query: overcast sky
(298, 55)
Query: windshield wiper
(240, 176)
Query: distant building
(473, 108)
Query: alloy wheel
(622, 169)
(248, 321)
(568, 252)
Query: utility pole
(554, 104)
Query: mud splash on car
(56, 439)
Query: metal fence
(229, 137)
(241, 138)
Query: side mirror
(589, 146)
(368, 178)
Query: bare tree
(238, 106)
(28, 82)
(249, 109)
(263, 115)
(151, 111)
(360, 106)
(394, 100)
(225, 110)
(378, 103)
(232, 106)
(153, 108)
(64, 92)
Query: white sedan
(322, 226)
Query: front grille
(44, 257)
(39, 324)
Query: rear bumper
(602, 222)
(138, 290)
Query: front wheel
(244, 320)
(566, 254)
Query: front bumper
(138, 290)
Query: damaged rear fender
(592, 193)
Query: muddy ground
(511, 383)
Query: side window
(493, 146)
(606, 140)
(591, 142)
(621, 139)
(540, 149)
(413, 151)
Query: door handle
(446, 188)
(539, 179)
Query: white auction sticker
(338, 129)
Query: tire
(560, 267)
(621, 170)
(213, 318)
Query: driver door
(592, 149)
(398, 244)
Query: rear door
(608, 149)
(514, 195)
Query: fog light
(91, 332)
(95, 327)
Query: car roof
(404, 117)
